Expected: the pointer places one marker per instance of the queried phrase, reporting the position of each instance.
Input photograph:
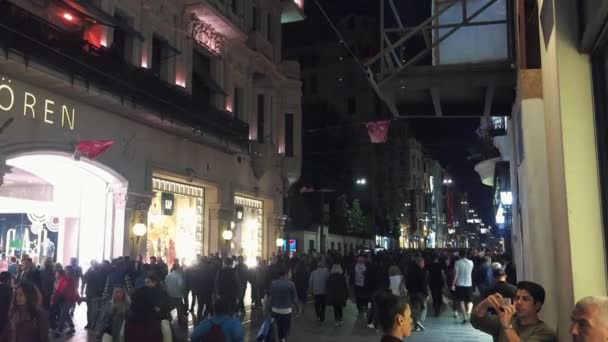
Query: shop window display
(248, 232)
(175, 221)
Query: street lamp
(447, 181)
(139, 230)
(361, 181)
(227, 235)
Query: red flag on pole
(378, 131)
(93, 148)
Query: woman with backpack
(27, 320)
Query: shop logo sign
(31, 105)
(167, 202)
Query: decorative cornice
(204, 34)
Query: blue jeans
(65, 317)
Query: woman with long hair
(114, 315)
(28, 322)
(394, 316)
(337, 291)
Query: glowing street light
(227, 235)
(447, 181)
(361, 181)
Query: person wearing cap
(501, 286)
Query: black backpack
(215, 334)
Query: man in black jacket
(417, 287)
(6, 295)
(227, 285)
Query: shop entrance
(52, 206)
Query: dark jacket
(337, 290)
(227, 285)
(6, 295)
(416, 281)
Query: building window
(289, 135)
(254, 18)
(159, 62)
(352, 105)
(314, 85)
(261, 118)
(235, 7)
(236, 105)
(269, 27)
(311, 245)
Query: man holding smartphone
(516, 321)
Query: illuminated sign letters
(48, 110)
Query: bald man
(590, 320)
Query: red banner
(93, 148)
(378, 131)
(450, 210)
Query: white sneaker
(371, 326)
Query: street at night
(303, 170)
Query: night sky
(448, 140)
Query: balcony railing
(40, 41)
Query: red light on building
(67, 16)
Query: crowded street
(303, 170)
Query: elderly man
(590, 320)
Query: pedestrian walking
(318, 287)
(27, 319)
(463, 285)
(436, 283)
(6, 296)
(283, 299)
(113, 315)
(417, 287)
(220, 327)
(337, 292)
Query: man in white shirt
(463, 285)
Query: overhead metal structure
(438, 87)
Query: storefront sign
(32, 105)
(167, 202)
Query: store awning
(90, 10)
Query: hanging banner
(93, 148)
(378, 131)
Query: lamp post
(280, 243)
(227, 236)
(139, 230)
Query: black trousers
(417, 302)
(283, 324)
(241, 299)
(338, 312)
(437, 294)
(362, 298)
(320, 307)
(204, 306)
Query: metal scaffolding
(391, 61)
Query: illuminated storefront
(52, 206)
(175, 221)
(248, 231)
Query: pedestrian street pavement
(306, 328)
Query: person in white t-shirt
(463, 285)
